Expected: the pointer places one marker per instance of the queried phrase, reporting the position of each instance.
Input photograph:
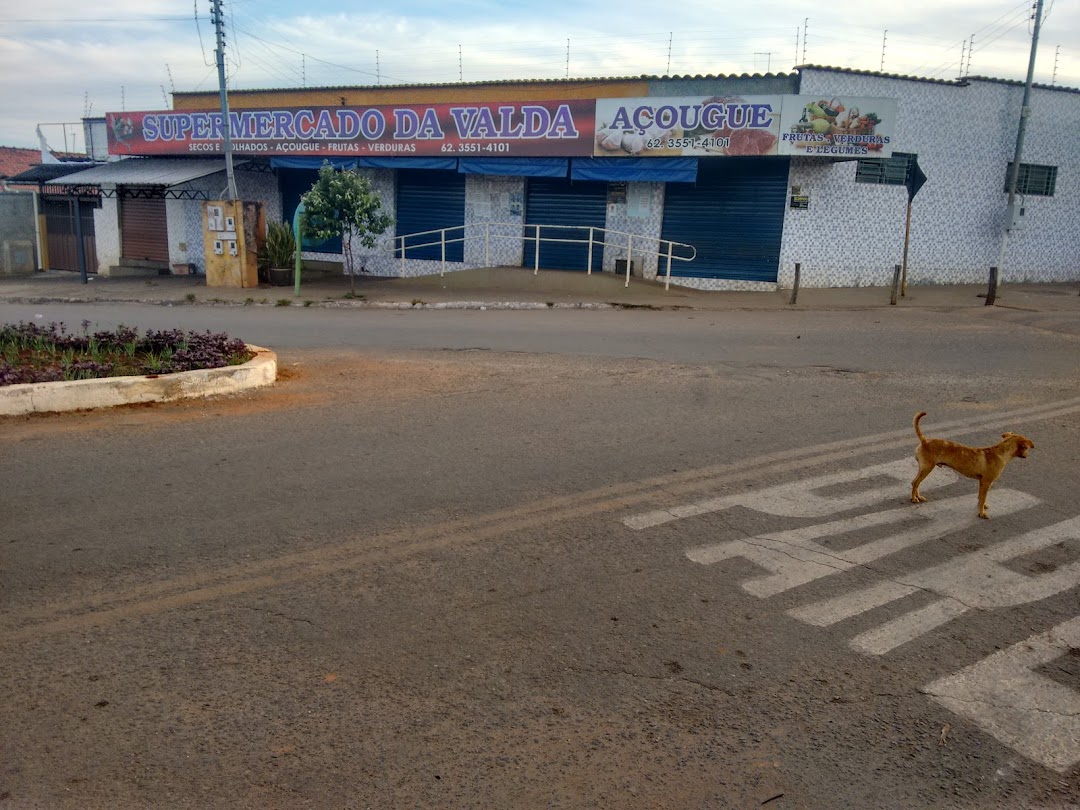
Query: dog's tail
(918, 416)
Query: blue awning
(515, 166)
(408, 163)
(308, 162)
(656, 170)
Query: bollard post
(795, 285)
(991, 293)
(667, 278)
(895, 285)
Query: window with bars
(1033, 179)
(890, 171)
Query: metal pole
(487, 244)
(1025, 112)
(442, 235)
(629, 257)
(991, 292)
(536, 257)
(895, 285)
(590, 251)
(403, 257)
(226, 136)
(667, 280)
(795, 285)
(80, 248)
(907, 236)
(297, 220)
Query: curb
(108, 392)
(335, 304)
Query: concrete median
(108, 392)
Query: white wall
(852, 234)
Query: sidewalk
(519, 288)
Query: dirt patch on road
(306, 379)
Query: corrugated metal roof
(48, 172)
(150, 171)
(484, 83)
(612, 79)
(963, 82)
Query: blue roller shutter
(426, 201)
(733, 215)
(560, 201)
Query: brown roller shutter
(143, 230)
(60, 228)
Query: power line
(308, 55)
(46, 20)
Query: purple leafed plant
(31, 353)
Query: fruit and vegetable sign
(730, 126)
(468, 128)
(848, 125)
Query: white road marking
(800, 498)
(772, 500)
(794, 559)
(974, 581)
(908, 627)
(831, 611)
(1026, 711)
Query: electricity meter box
(1015, 216)
(233, 234)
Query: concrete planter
(109, 392)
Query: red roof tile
(14, 160)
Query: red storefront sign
(558, 128)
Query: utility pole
(1025, 112)
(215, 6)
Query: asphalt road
(551, 559)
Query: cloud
(50, 71)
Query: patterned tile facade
(853, 233)
(107, 234)
(634, 227)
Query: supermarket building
(821, 167)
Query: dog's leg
(926, 466)
(984, 490)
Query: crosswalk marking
(977, 580)
(1025, 710)
(793, 558)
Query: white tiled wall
(853, 233)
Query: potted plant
(279, 254)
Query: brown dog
(982, 463)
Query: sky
(63, 59)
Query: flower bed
(30, 353)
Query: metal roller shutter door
(733, 215)
(560, 201)
(427, 201)
(60, 228)
(143, 229)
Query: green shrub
(280, 247)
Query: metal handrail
(669, 253)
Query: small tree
(343, 204)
